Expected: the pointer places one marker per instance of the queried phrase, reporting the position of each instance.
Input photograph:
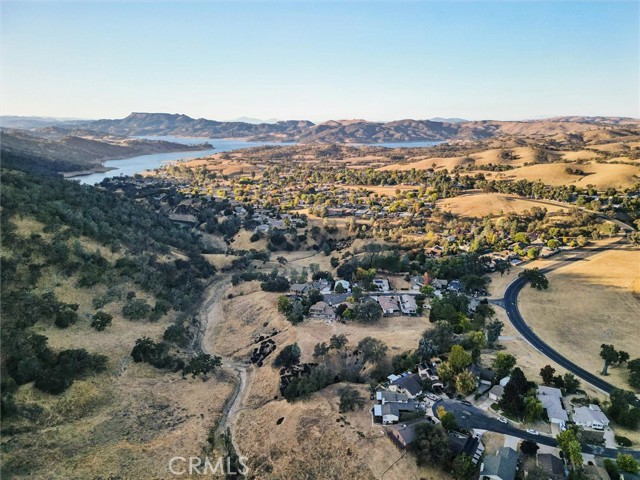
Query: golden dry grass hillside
(600, 175)
(126, 422)
(588, 303)
(487, 204)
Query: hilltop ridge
(350, 131)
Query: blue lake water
(133, 165)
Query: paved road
(473, 417)
(510, 303)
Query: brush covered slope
(98, 322)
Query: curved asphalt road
(510, 301)
(469, 417)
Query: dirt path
(212, 317)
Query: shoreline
(104, 169)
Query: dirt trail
(212, 317)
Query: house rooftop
(551, 399)
(385, 397)
(410, 383)
(590, 414)
(502, 465)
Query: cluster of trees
(158, 354)
(519, 399)
(431, 447)
(569, 382)
(622, 410)
(70, 214)
(366, 361)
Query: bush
(101, 320)
(136, 309)
(623, 441)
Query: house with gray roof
(391, 397)
(501, 466)
(590, 417)
(408, 384)
(551, 399)
(390, 412)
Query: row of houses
(394, 305)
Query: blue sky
(321, 60)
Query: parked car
(532, 432)
(466, 402)
(563, 427)
(432, 397)
(503, 420)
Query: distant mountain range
(340, 131)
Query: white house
(346, 286)
(408, 304)
(590, 417)
(551, 399)
(388, 412)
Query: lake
(133, 165)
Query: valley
(308, 271)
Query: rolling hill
(351, 131)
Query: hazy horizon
(244, 118)
(321, 61)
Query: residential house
(391, 397)
(323, 286)
(426, 371)
(595, 472)
(322, 310)
(346, 286)
(501, 466)
(496, 393)
(552, 466)
(417, 282)
(389, 413)
(455, 286)
(299, 289)
(408, 304)
(551, 399)
(382, 284)
(471, 445)
(408, 383)
(403, 436)
(590, 417)
(389, 305)
(439, 284)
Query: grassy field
(601, 175)
(312, 439)
(486, 204)
(588, 303)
